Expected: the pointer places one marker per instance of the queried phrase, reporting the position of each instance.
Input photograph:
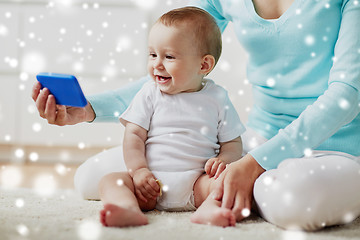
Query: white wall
(104, 44)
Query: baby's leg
(209, 210)
(121, 208)
(310, 193)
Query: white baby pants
(306, 193)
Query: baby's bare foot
(212, 214)
(116, 216)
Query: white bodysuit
(184, 131)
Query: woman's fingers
(61, 113)
(58, 114)
(246, 211)
(46, 105)
(242, 207)
(35, 90)
(239, 205)
(229, 187)
(217, 193)
(229, 193)
(41, 101)
(50, 109)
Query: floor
(34, 175)
(28, 214)
(80, 220)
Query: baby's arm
(145, 183)
(229, 152)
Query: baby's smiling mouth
(162, 79)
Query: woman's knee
(310, 195)
(88, 174)
(85, 182)
(283, 203)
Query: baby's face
(174, 61)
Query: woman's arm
(108, 106)
(319, 121)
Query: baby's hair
(206, 32)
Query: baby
(180, 130)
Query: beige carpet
(24, 214)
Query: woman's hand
(145, 184)
(214, 167)
(58, 114)
(235, 185)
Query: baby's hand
(146, 186)
(214, 167)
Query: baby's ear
(207, 64)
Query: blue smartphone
(65, 88)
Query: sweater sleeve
(108, 106)
(338, 105)
(215, 8)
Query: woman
(304, 65)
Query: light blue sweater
(305, 71)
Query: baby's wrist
(134, 172)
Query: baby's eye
(170, 57)
(153, 55)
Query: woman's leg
(89, 174)
(310, 193)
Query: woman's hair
(206, 32)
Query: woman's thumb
(217, 193)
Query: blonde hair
(206, 32)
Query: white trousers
(306, 193)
